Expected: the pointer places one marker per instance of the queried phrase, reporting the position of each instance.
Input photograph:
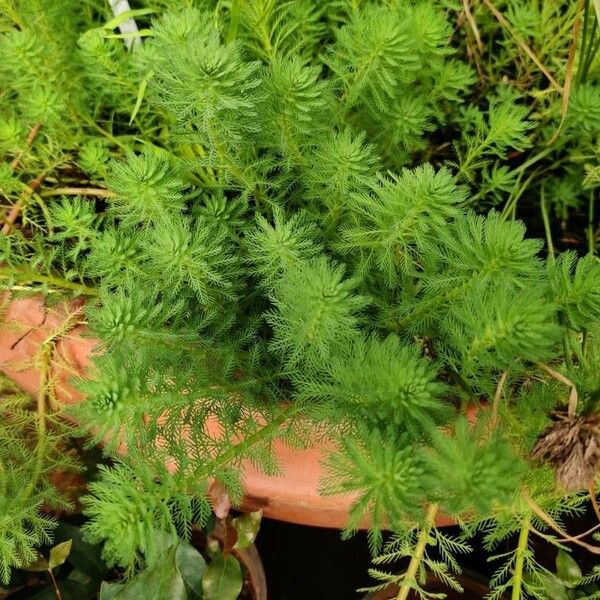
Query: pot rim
(292, 496)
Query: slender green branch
(234, 20)
(264, 433)
(546, 223)
(417, 557)
(27, 276)
(590, 232)
(517, 582)
(46, 357)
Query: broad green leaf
(549, 584)
(39, 564)
(223, 579)
(109, 591)
(567, 569)
(59, 554)
(191, 567)
(125, 16)
(247, 527)
(161, 581)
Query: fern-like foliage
(152, 510)
(316, 312)
(278, 214)
(28, 459)
(395, 220)
(385, 473)
(385, 381)
(146, 189)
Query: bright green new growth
(280, 217)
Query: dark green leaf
(39, 564)
(223, 579)
(247, 527)
(549, 584)
(163, 581)
(191, 566)
(567, 569)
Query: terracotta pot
(472, 586)
(292, 496)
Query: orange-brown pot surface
(292, 496)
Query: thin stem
(497, 396)
(550, 522)
(584, 40)
(17, 208)
(417, 556)
(534, 159)
(56, 588)
(593, 500)
(566, 344)
(236, 450)
(590, 233)
(573, 395)
(46, 355)
(234, 20)
(26, 276)
(105, 133)
(547, 224)
(517, 582)
(504, 22)
(76, 191)
(32, 135)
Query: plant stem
(262, 434)
(15, 211)
(517, 582)
(546, 224)
(46, 356)
(417, 557)
(76, 191)
(584, 40)
(25, 276)
(32, 135)
(234, 20)
(590, 232)
(56, 588)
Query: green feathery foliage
(30, 453)
(289, 213)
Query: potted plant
(272, 241)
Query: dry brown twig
(525, 47)
(548, 520)
(472, 24)
(560, 377)
(78, 191)
(15, 211)
(497, 396)
(32, 135)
